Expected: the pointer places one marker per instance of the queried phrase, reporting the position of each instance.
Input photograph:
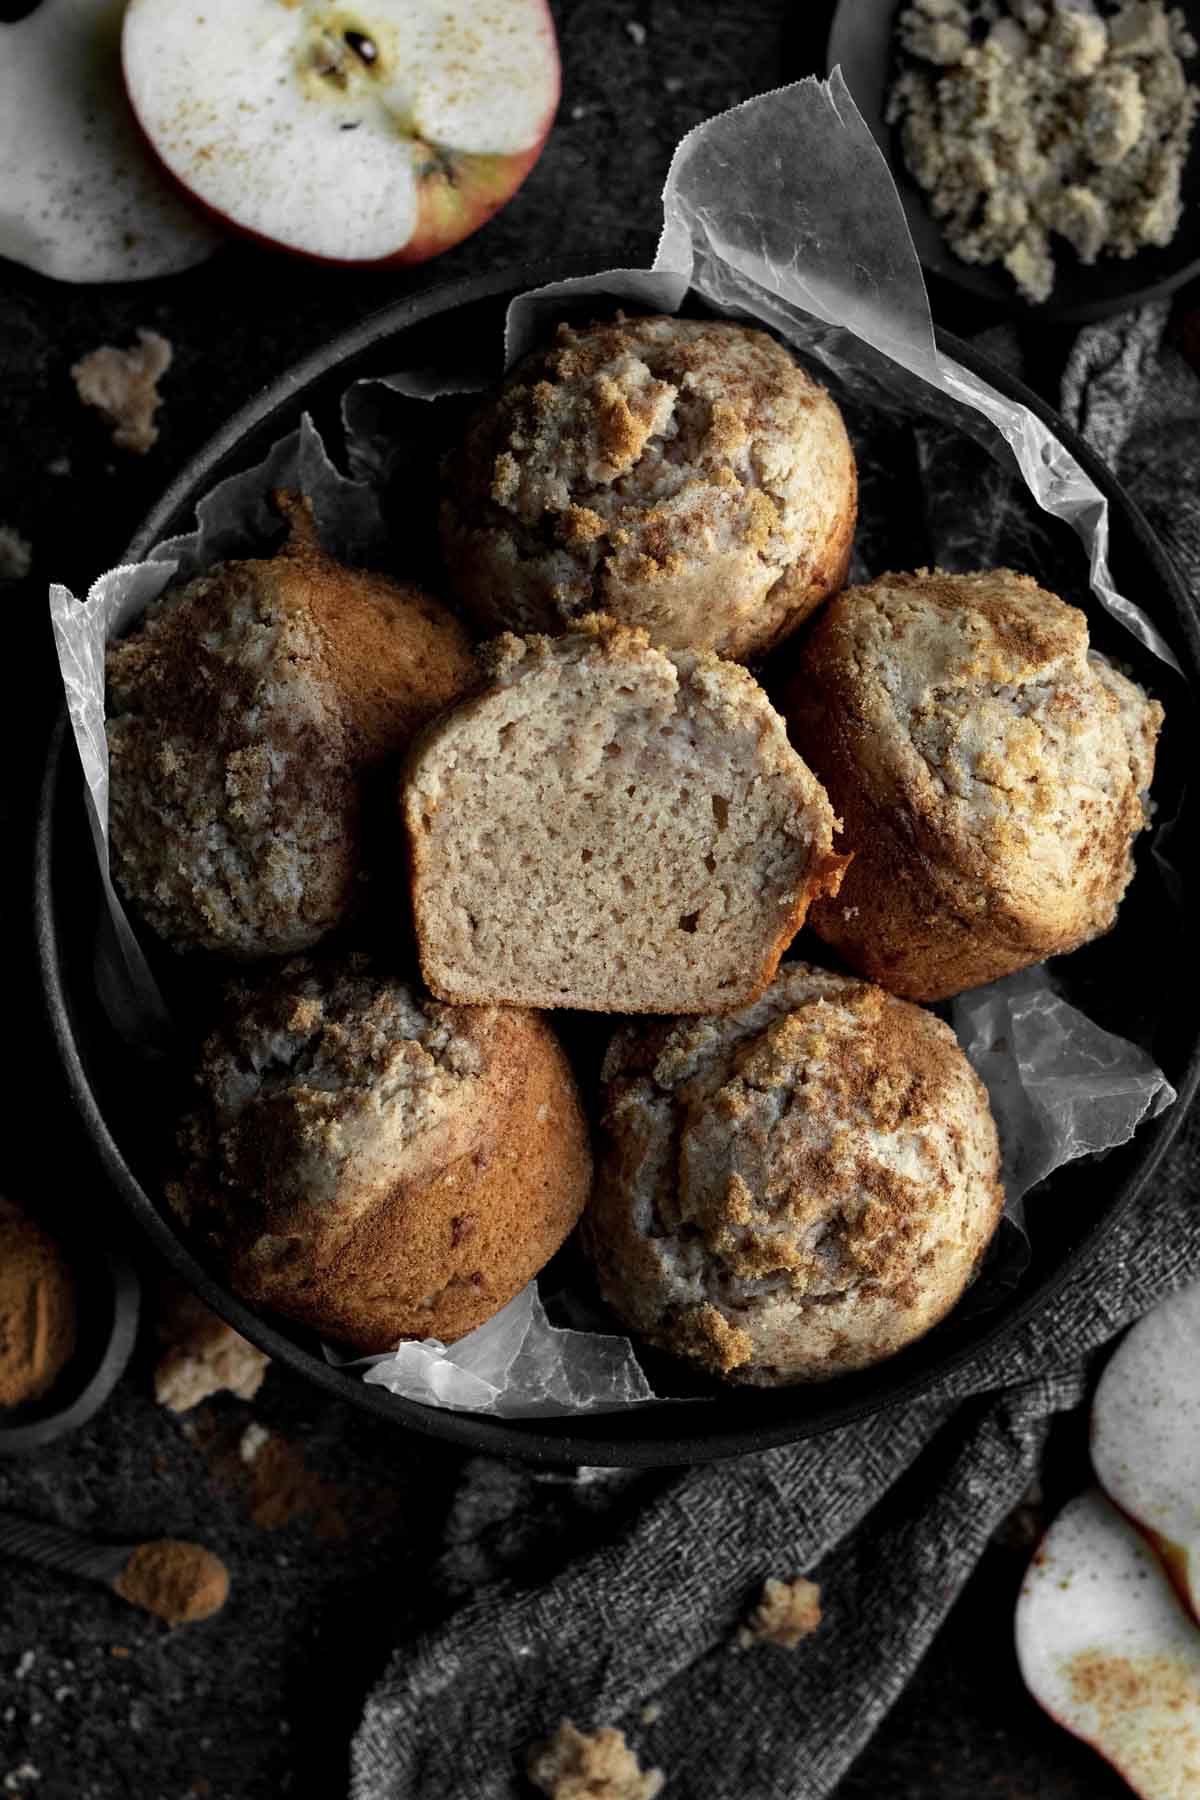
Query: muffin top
(243, 711)
(325, 1080)
(681, 474)
(972, 706)
(798, 1187)
(376, 1164)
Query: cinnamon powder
(181, 1582)
(38, 1308)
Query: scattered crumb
(253, 1439)
(123, 385)
(60, 465)
(28, 1658)
(20, 1778)
(16, 555)
(120, 1651)
(636, 31)
(579, 112)
(1026, 124)
(787, 1612)
(674, 84)
(276, 1485)
(651, 1713)
(204, 1355)
(598, 1765)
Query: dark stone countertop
(331, 1566)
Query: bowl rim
(551, 1442)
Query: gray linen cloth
(890, 1515)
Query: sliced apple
(81, 198)
(355, 134)
(1146, 1434)
(1106, 1648)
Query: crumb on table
(787, 1612)
(202, 1356)
(123, 386)
(597, 1765)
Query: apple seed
(362, 46)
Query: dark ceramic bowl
(861, 41)
(1138, 982)
(108, 1295)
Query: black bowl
(1079, 1205)
(108, 1297)
(860, 40)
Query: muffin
(376, 1165)
(611, 827)
(682, 475)
(244, 712)
(797, 1189)
(990, 770)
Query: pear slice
(376, 132)
(1105, 1647)
(81, 197)
(1146, 1434)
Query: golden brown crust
(393, 653)
(989, 775)
(244, 712)
(797, 1189)
(413, 1201)
(684, 475)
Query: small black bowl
(861, 40)
(108, 1295)
(1141, 980)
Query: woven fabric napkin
(642, 1580)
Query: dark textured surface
(260, 1701)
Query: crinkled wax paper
(781, 212)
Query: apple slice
(1105, 1647)
(1146, 1434)
(81, 198)
(380, 133)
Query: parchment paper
(781, 212)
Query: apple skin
(453, 210)
(446, 217)
(451, 207)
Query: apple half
(380, 133)
(1106, 1648)
(81, 198)
(1146, 1434)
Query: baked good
(794, 1190)
(683, 475)
(376, 1165)
(990, 770)
(611, 827)
(244, 711)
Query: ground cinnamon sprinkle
(181, 1582)
(38, 1310)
